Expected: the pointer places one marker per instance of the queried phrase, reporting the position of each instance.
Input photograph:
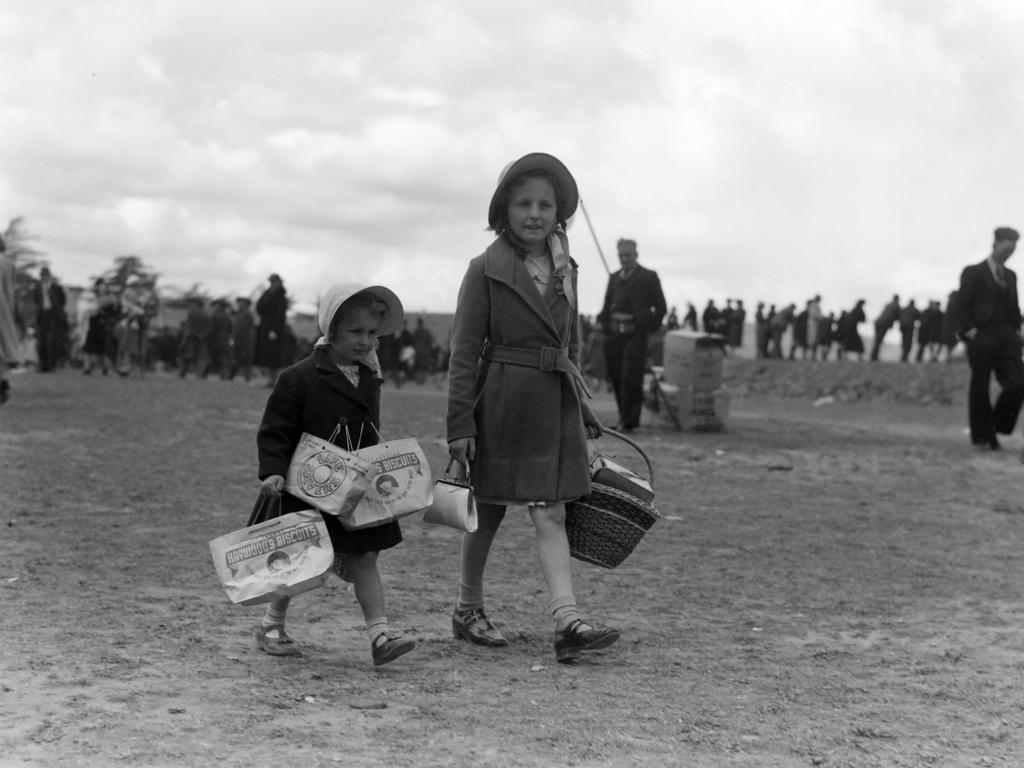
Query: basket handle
(635, 447)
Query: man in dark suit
(634, 306)
(51, 322)
(989, 322)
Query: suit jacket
(982, 304)
(56, 294)
(642, 292)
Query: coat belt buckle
(548, 357)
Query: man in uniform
(989, 322)
(634, 307)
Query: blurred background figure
(218, 341)
(272, 308)
(243, 338)
(51, 323)
(193, 336)
(138, 306)
(9, 343)
(100, 343)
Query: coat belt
(544, 359)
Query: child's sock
(376, 627)
(470, 597)
(274, 616)
(565, 612)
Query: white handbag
(453, 502)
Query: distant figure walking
(634, 307)
(51, 322)
(909, 317)
(690, 318)
(218, 341)
(9, 343)
(272, 308)
(243, 338)
(888, 317)
(814, 322)
(777, 325)
(989, 323)
(849, 331)
(194, 333)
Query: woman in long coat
(517, 414)
(272, 309)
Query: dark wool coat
(992, 309)
(312, 396)
(640, 295)
(531, 443)
(272, 308)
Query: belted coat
(531, 444)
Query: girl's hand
(463, 450)
(272, 486)
(594, 429)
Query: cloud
(752, 149)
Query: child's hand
(272, 486)
(463, 450)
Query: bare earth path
(830, 586)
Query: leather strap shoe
(573, 640)
(473, 625)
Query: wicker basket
(606, 525)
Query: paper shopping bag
(400, 484)
(327, 477)
(453, 502)
(277, 558)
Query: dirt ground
(832, 584)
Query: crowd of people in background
(223, 338)
(926, 334)
(218, 338)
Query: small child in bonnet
(340, 382)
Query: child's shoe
(473, 625)
(573, 640)
(389, 646)
(277, 645)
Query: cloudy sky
(762, 150)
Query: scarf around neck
(558, 245)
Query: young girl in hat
(517, 411)
(340, 380)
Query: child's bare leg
(385, 646)
(270, 634)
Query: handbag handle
(637, 448)
(457, 478)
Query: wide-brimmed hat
(565, 185)
(339, 293)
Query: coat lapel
(329, 374)
(503, 265)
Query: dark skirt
(267, 353)
(373, 539)
(96, 337)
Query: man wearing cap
(989, 323)
(634, 307)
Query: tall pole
(590, 226)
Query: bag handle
(637, 448)
(267, 507)
(343, 423)
(336, 432)
(457, 478)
